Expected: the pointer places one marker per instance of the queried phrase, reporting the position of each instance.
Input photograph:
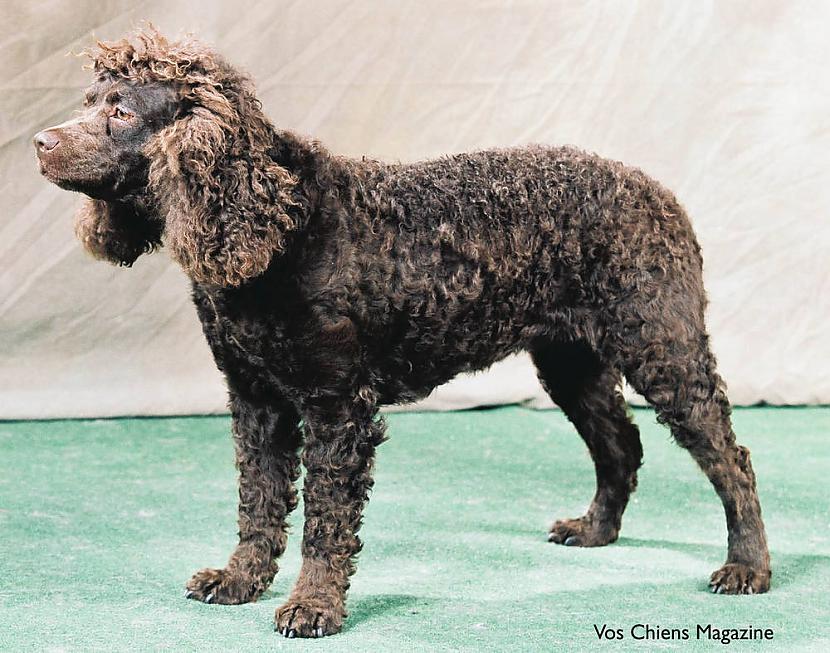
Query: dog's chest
(248, 344)
(265, 347)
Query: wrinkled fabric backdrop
(727, 103)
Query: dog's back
(465, 259)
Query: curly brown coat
(328, 286)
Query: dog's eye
(121, 114)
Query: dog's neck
(139, 207)
(315, 167)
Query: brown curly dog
(328, 286)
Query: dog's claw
(188, 594)
(209, 598)
(573, 540)
(291, 634)
(319, 632)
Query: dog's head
(172, 146)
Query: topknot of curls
(147, 56)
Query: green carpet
(102, 522)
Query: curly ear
(224, 200)
(115, 232)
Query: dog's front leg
(339, 451)
(267, 439)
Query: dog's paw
(225, 586)
(307, 619)
(737, 578)
(581, 532)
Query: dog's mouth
(99, 189)
(52, 168)
(44, 170)
(56, 178)
(60, 163)
(59, 179)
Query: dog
(328, 287)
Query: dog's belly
(429, 356)
(408, 382)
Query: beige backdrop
(728, 103)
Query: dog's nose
(46, 141)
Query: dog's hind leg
(669, 362)
(588, 392)
(266, 440)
